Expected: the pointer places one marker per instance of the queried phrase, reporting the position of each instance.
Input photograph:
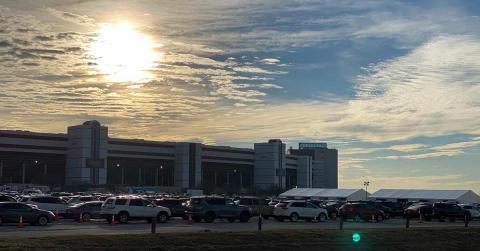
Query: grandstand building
(86, 155)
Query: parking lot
(66, 227)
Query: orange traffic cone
(56, 215)
(189, 222)
(113, 219)
(80, 220)
(20, 222)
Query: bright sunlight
(123, 54)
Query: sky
(393, 85)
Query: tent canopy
(320, 192)
(420, 194)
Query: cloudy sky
(395, 86)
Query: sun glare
(123, 54)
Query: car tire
(322, 217)
(231, 219)
(294, 217)
(333, 215)
(380, 218)
(244, 217)
(357, 218)
(162, 217)
(123, 217)
(281, 219)
(42, 220)
(441, 218)
(86, 217)
(209, 217)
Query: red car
(361, 211)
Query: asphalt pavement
(65, 227)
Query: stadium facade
(86, 155)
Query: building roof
(420, 194)
(319, 192)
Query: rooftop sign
(312, 145)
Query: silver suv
(125, 208)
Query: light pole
(36, 165)
(161, 171)
(366, 184)
(122, 181)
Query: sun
(123, 54)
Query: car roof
(209, 197)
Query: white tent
(460, 196)
(324, 194)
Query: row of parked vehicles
(41, 209)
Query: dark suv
(450, 211)
(211, 207)
(259, 206)
(396, 208)
(176, 206)
(361, 211)
(10, 212)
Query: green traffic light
(356, 237)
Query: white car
(80, 199)
(125, 208)
(49, 203)
(295, 210)
(474, 213)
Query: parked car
(125, 208)
(331, 208)
(361, 211)
(32, 191)
(177, 206)
(7, 198)
(259, 206)
(210, 208)
(420, 208)
(396, 208)
(49, 203)
(87, 210)
(474, 212)
(80, 199)
(10, 212)
(450, 211)
(60, 194)
(295, 210)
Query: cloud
(251, 69)
(424, 155)
(72, 17)
(270, 61)
(407, 147)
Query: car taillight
(284, 207)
